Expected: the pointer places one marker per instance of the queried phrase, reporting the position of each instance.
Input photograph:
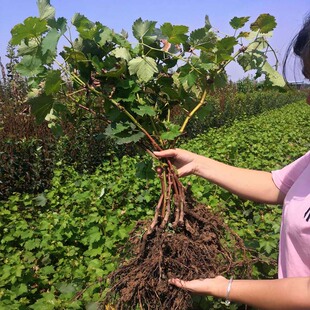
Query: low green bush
(230, 105)
(29, 151)
(57, 247)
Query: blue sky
(120, 14)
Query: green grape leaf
(93, 234)
(207, 23)
(264, 23)
(105, 36)
(170, 93)
(260, 44)
(144, 170)
(220, 80)
(207, 66)
(201, 39)
(86, 28)
(243, 34)
(144, 30)
(53, 82)
(188, 79)
(197, 35)
(116, 129)
(41, 106)
(274, 76)
(66, 288)
(172, 133)
(28, 49)
(239, 22)
(79, 20)
(55, 128)
(32, 27)
(47, 270)
(175, 34)
(32, 244)
(246, 62)
(97, 63)
(120, 40)
(133, 138)
(266, 245)
(121, 52)
(249, 61)
(123, 132)
(60, 24)
(124, 34)
(50, 41)
(227, 43)
(116, 71)
(204, 111)
(30, 66)
(252, 35)
(20, 289)
(46, 11)
(40, 200)
(144, 67)
(61, 109)
(93, 305)
(71, 55)
(144, 110)
(127, 91)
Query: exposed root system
(202, 247)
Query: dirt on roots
(203, 248)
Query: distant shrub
(231, 105)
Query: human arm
(284, 294)
(249, 184)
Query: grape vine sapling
(136, 90)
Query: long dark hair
(300, 45)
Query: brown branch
(164, 192)
(198, 106)
(176, 211)
(153, 224)
(168, 204)
(79, 105)
(182, 205)
(132, 118)
(155, 219)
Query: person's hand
(186, 162)
(215, 287)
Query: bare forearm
(284, 294)
(249, 184)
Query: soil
(203, 247)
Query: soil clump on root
(203, 247)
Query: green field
(58, 246)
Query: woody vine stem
(172, 205)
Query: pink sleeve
(285, 177)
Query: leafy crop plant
(146, 93)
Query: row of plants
(30, 151)
(13, 87)
(233, 103)
(57, 247)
